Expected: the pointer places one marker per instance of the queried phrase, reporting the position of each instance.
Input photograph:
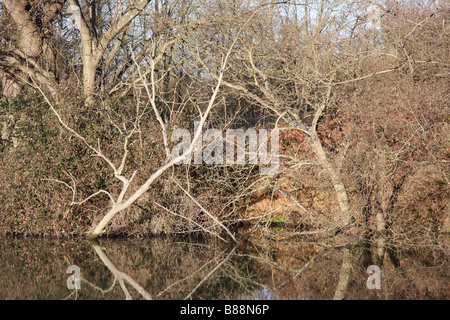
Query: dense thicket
(92, 91)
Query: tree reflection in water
(163, 268)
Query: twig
(206, 211)
(209, 274)
(194, 222)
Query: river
(186, 268)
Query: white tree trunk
(336, 179)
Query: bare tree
(93, 48)
(122, 201)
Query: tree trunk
(344, 275)
(381, 221)
(30, 40)
(89, 70)
(93, 51)
(336, 179)
(10, 86)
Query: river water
(182, 268)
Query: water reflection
(163, 268)
(119, 276)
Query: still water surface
(166, 268)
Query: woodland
(91, 92)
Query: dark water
(162, 268)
